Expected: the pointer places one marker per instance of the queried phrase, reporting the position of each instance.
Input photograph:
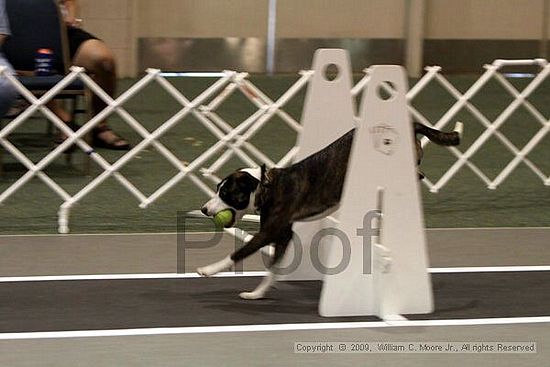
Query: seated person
(7, 90)
(98, 60)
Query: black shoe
(115, 142)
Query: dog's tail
(440, 137)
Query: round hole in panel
(331, 72)
(386, 90)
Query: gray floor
(209, 303)
(96, 254)
(273, 349)
(158, 253)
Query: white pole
(544, 36)
(414, 33)
(271, 26)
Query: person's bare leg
(55, 106)
(99, 61)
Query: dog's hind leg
(280, 248)
(261, 289)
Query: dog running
(310, 188)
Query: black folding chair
(37, 24)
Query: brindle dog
(282, 196)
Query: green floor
(522, 200)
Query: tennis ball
(224, 218)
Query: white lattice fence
(236, 141)
(230, 141)
(463, 101)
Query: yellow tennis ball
(224, 218)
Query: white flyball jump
(366, 270)
(328, 113)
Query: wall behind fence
(459, 34)
(340, 19)
(487, 19)
(113, 21)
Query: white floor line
(490, 269)
(450, 270)
(485, 228)
(52, 278)
(97, 234)
(273, 327)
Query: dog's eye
(224, 194)
(237, 200)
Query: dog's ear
(247, 182)
(264, 171)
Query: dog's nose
(204, 210)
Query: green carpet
(522, 200)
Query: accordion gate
(235, 141)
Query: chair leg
(49, 128)
(1, 153)
(69, 155)
(87, 159)
(88, 137)
(68, 158)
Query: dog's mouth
(233, 220)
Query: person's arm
(70, 14)
(4, 23)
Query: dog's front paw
(212, 269)
(252, 295)
(205, 271)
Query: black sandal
(117, 143)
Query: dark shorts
(76, 37)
